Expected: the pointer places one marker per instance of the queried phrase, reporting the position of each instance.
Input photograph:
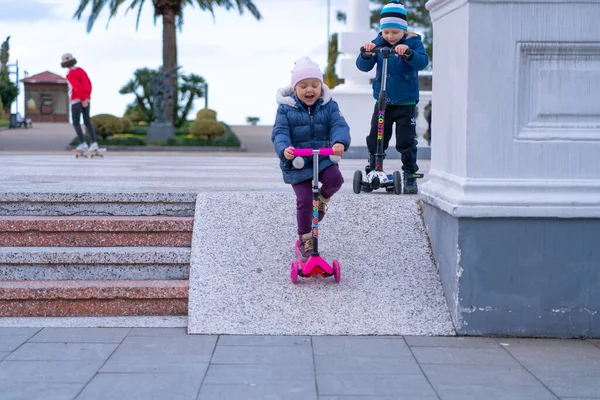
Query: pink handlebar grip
(326, 151)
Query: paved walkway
(157, 172)
(54, 137)
(166, 363)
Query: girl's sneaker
(94, 146)
(82, 146)
(305, 245)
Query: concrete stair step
(92, 203)
(65, 231)
(94, 263)
(93, 298)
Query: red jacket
(80, 86)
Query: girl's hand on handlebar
(289, 153)
(369, 46)
(338, 149)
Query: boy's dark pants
(77, 110)
(332, 181)
(406, 143)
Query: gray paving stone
(552, 354)
(62, 352)
(141, 387)
(257, 392)
(484, 382)
(567, 367)
(154, 366)
(363, 397)
(158, 332)
(176, 349)
(252, 374)
(372, 346)
(39, 391)
(293, 357)
(565, 382)
(252, 340)
(80, 335)
(446, 341)
(362, 364)
(48, 371)
(11, 343)
(401, 386)
(19, 331)
(463, 355)
(3, 354)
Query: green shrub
(229, 139)
(106, 125)
(126, 141)
(113, 141)
(206, 113)
(205, 128)
(138, 130)
(127, 124)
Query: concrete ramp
(242, 248)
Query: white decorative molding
(439, 8)
(557, 91)
(490, 198)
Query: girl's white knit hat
(305, 68)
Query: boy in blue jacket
(402, 88)
(308, 118)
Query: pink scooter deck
(315, 265)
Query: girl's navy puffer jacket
(321, 125)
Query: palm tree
(171, 12)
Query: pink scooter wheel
(294, 272)
(337, 272)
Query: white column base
(488, 198)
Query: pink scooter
(315, 265)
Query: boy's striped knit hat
(393, 16)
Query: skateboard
(89, 153)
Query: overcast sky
(244, 61)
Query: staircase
(94, 254)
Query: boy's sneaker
(94, 146)
(371, 164)
(305, 245)
(322, 206)
(82, 146)
(410, 184)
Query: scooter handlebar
(386, 50)
(298, 162)
(383, 50)
(326, 151)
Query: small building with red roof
(46, 97)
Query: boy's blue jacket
(402, 80)
(321, 125)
